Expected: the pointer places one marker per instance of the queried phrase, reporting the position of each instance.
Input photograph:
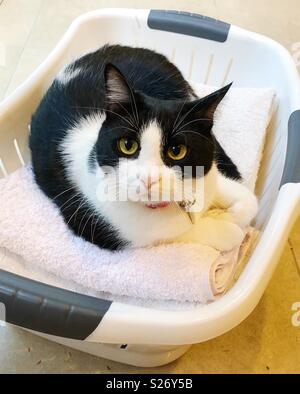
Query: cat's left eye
(128, 146)
(177, 152)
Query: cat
(124, 111)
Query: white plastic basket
(206, 51)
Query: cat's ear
(116, 86)
(206, 106)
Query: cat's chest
(142, 226)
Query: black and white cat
(130, 110)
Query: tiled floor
(267, 341)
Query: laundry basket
(206, 51)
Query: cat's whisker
(178, 115)
(182, 212)
(65, 191)
(136, 110)
(82, 219)
(190, 122)
(80, 205)
(104, 110)
(66, 202)
(186, 114)
(119, 115)
(70, 205)
(132, 120)
(223, 163)
(124, 128)
(196, 133)
(92, 215)
(94, 229)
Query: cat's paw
(228, 235)
(239, 213)
(224, 235)
(221, 214)
(243, 213)
(218, 234)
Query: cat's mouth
(162, 204)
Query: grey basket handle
(189, 24)
(291, 172)
(49, 310)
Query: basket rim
(173, 324)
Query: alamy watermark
(296, 315)
(152, 185)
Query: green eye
(177, 152)
(128, 146)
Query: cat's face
(154, 151)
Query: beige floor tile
(29, 60)
(17, 19)
(10, 58)
(295, 245)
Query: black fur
(159, 92)
(225, 164)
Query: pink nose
(149, 182)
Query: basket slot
(137, 21)
(3, 169)
(209, 68)
(269, 194)
(273, 158)
(227, 72)
(274, 153)
(271, 177)
(18, 151)
(274, 170)
(191, 65)
(263, 214)
(173, 55)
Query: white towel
(32, 228)
(240, 125)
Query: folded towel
(240, 124)
(32, 228)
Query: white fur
(240, 203)
(116, 89)
(143, 226)
(76, 149)
(66, 74)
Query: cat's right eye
(128, 146)
(177, 152)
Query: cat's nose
(149, 182)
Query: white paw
(228, 236)
(219, 234)
(221, 214)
